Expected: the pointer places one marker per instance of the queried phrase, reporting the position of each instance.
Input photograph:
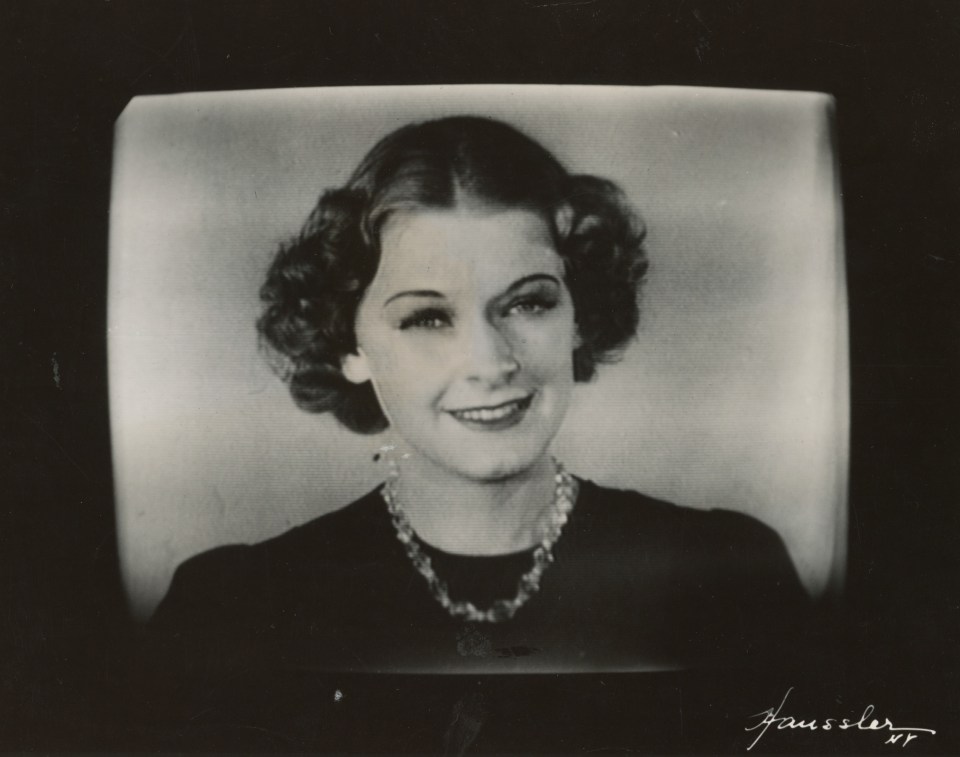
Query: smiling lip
(495, 416)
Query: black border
(69, 68)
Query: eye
(428, 318)
(532, 305)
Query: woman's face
(467, 333)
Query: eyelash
(434, 318)
(431, 318)
(534, 304)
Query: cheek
(548, 350)
(403, 375)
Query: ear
(577, 338)
(355, 367)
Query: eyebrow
(513, 287)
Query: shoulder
(242, 580)
(626, 509)
(348, 533)
(701, 542)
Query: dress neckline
(500, 557)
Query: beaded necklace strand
(529, 584)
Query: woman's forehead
(465, 245)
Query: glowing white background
(734, 394)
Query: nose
(489, 354)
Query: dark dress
(637, 584)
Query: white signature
(771, 717)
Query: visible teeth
(487, 415)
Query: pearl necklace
(529, 583)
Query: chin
(502, 457)
(498, 465)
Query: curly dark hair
(318, 278)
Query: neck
(476, 517)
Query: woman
(454, 291)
